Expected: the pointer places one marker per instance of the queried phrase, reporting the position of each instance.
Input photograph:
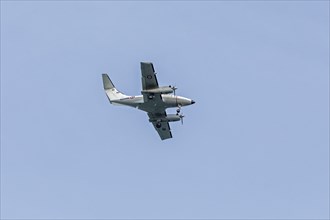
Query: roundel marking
(149, 77)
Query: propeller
(181, 118)
(173, 88)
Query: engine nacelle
(161, 90)
(169, 118)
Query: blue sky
(255, 144)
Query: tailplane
(111, 91)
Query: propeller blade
(181, 118)
(174, 88)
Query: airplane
(154, 100)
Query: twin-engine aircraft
(154, 100)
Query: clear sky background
(255, 144)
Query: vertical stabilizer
(111, 91)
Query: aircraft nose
(192, 101)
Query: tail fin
(107, 83)
(111, 91)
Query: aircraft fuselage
(169, 101)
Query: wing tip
(146, 62)
(145, 65)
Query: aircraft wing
(149, 79)
(153, 101)
(164, 130)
